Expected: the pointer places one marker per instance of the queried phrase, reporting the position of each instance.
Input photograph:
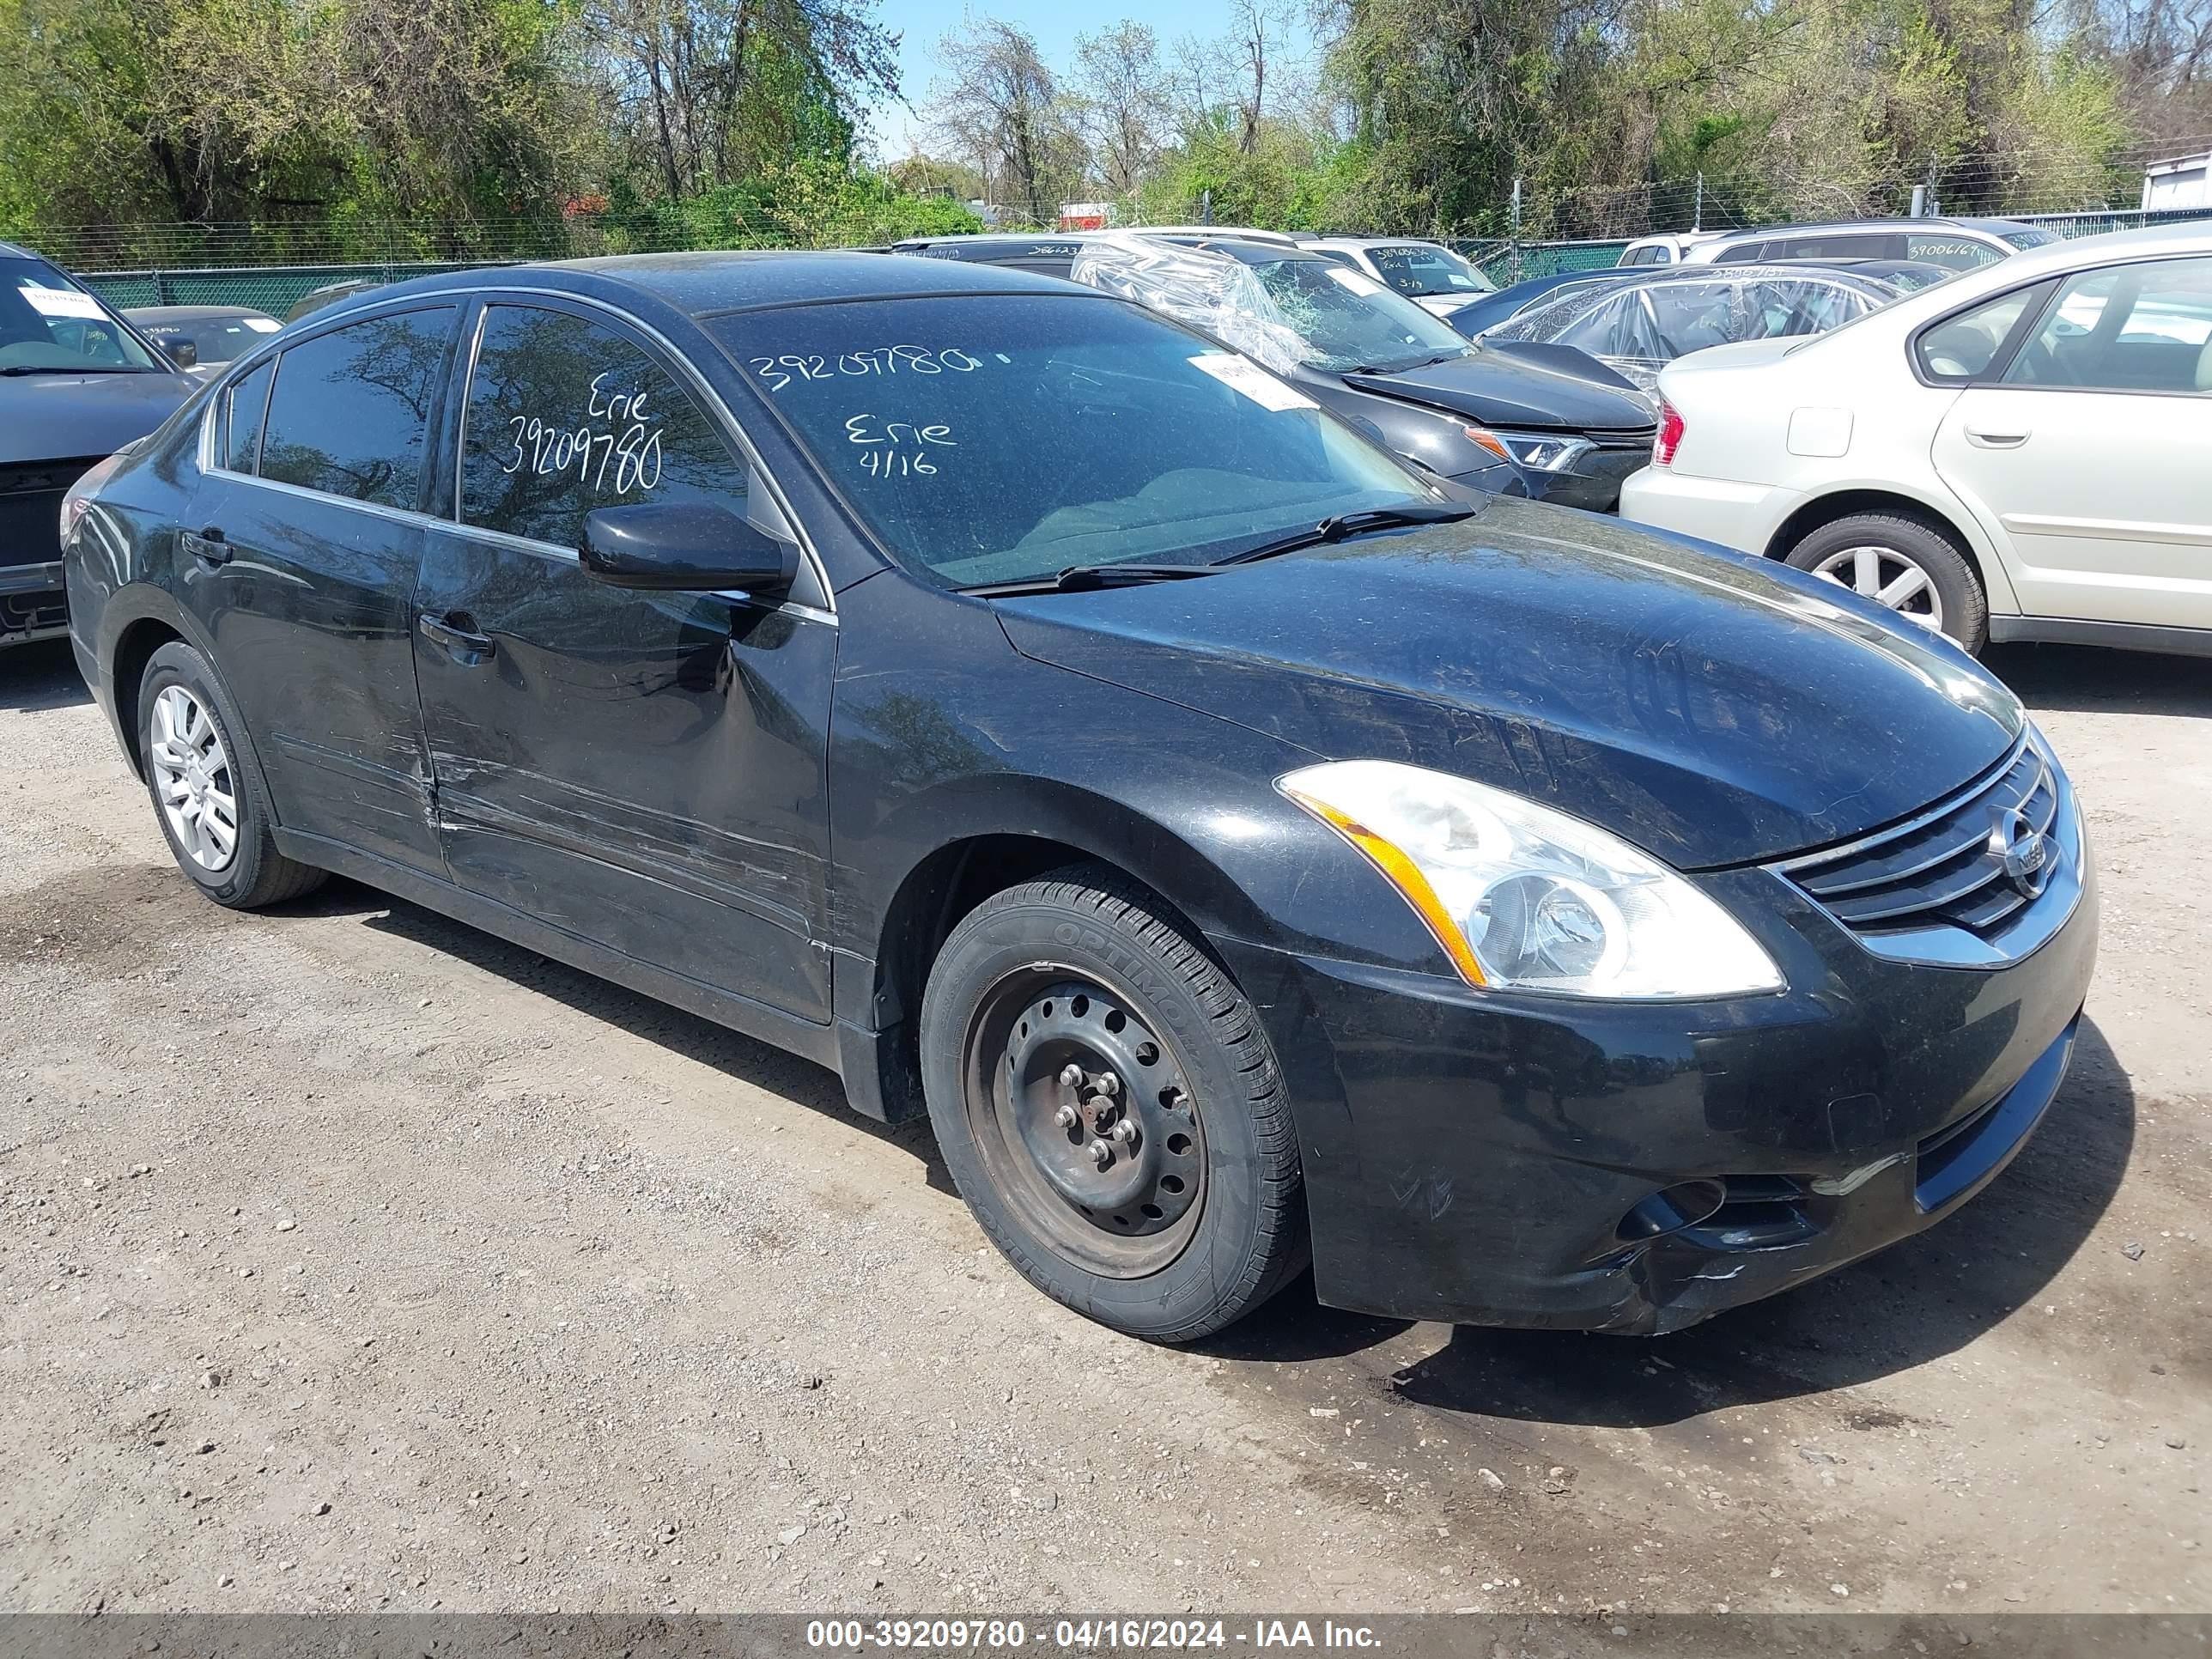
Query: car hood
(1708, 707)
(1549, 389)
(52, 418)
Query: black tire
(1030, 983)
(1951, 574)
(256, 873)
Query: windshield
(1004, 438)
(1420, 269)
(217, 339)
(49, 322)
(1348, 320)
(2028, 236)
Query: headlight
(1546, 454)
(1525, 898)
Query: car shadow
(40, 675)
(2092, 679)
(740, 1057)
(1925, 1298)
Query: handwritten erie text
(897, 449)
(626, 441)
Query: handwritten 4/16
(896, 449)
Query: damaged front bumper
(1489, 1159)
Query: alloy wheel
(193, 780)
(1888, 578)
(1086, 1122)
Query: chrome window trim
(209, 449)
(554, 553)
(374, 509)
(238, 368)
(685, 372)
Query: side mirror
(692, 546)
(181, 352)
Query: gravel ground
(356, 1261)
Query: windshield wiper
(56, 368)
(1351, 523)
(1088, 578)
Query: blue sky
(1055, 23)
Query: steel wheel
(1888, 577)
(192, 779)
(1088, 1122)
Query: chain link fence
(261, 267)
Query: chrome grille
(1946, 868)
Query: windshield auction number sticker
(1243, 374)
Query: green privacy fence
(274, 289)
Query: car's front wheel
(1108, 1104)
(1910, 567)
(207, 799)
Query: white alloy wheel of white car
(2023, 452)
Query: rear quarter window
(349, 413)
(244, 407)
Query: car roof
(984, 240)
(710, 283)
(1247, 233)
(188, 313)
(1257, 253)
(1368, 242)
(1754, 232)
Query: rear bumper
(31, 604)
(1482, 1158)
(1743, 516)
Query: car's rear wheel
(1108, 1106)
(1904, 564)
(206, 796)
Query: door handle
(208, 547)
(1982, 439)
(456, 631)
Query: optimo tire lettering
(1160, 992)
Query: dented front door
(644, 770)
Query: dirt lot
(353, 1260)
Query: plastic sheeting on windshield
(1210, 292)
(1638, 328)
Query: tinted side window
(566, 416)
(1847, 245)
(2130, 328)
(350, 410)
(247, 403)
(1743, 253)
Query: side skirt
(818, 1043)
(2119, 636)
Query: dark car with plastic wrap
(1244, 851)
(1572, 427)
(1637, 328)
(76, 383)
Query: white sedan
(2024, 452)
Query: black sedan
(76, 383)
(1005, 697)
(1574, 427)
